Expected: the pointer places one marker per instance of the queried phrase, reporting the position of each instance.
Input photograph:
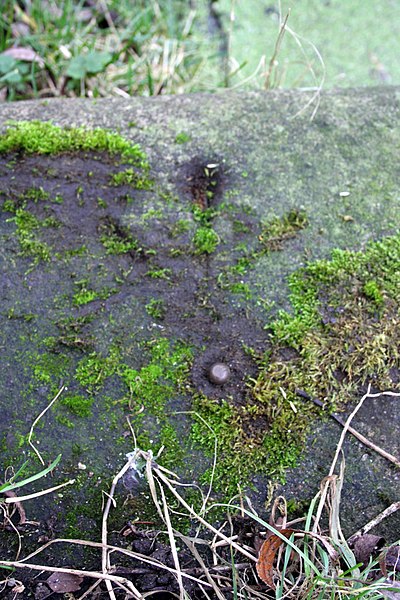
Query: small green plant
(78, 405)
(205, 240)
(372, 292)
(131, 177)
(182, 138)
(156, 308)
(27, 229)
(159, 273)
(116, 244)
(86, 64)
(279, 229)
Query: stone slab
(341, 168)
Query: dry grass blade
(16, 499)
(105, 562)
(167, 521)
(272, 62)
(193, 514)
(340, 445)
(35, 422)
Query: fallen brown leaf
(267, 554)
(25, 54)
(63, 583)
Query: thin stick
(17, 564)
(38, 419)
(371, 524)
(353, 431)
(90, 590)
(324, 491)
(350, 418)
(136, 555)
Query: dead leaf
(366, 546)
(25, 54)
(390, 559)
(267, 554)
(64, 582)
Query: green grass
(120, 48)
(128, 48)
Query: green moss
(77, 405)
(372, 292)
(182, 138)
(180, 226)
(47, 368)
(27, 228)
(333, 342)
(93, 369)
(46, 138)
(159, 273)
(279, 229)
(165, 372)
(36, 194)
(242, 289)
(155, 308)
(85, 294)
(131, 177)
(115, 243)
(205, 240)
(274, 233)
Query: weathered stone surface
(341, 169)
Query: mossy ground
(130, 298)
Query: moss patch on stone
(342, 333)
(342, 330)
(45, 138)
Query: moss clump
(36, 194)
(156, 308)
(271, 238)
(159, 273)
(85, 294)
(343, 331)
(152, 387)
(115, 244)
(279, 229)
(92, 370)
(131, 177)
(182, 138)
(45, 138)
(205, 240)
(28, 227)
(78, 405)
(166, 370)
